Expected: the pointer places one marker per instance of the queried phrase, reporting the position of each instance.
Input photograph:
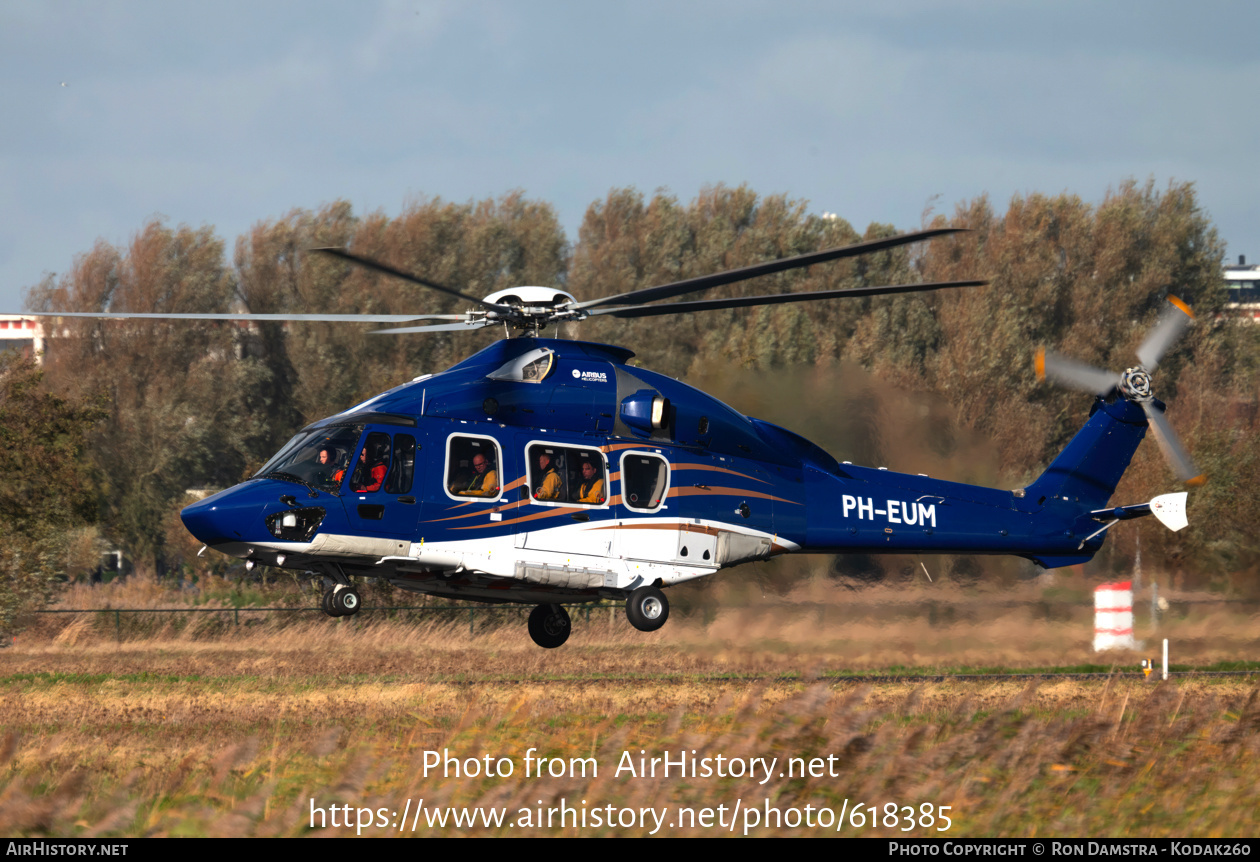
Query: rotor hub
(1135, 384)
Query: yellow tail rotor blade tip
(1181, 305)
(1039, 362)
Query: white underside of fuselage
(580, 559)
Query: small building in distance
(1242, 282)
(18, 332)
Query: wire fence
(127, 623)
(114, 617)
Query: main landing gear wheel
(346, 601)
(341, 602)
(647, 609)
(549, 626)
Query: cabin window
(404, 467)
(567, 474)
(644, 481)
(472, 467)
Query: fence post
(236, 615)
(117, 626)
(470, 622)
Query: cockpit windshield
(317, 458)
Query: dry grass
(239, 731)
(731, 626)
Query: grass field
(247, 730)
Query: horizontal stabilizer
(1171, 510)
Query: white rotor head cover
(1170, 509)
(530, 295)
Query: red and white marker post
(1113, 616)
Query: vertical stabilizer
(1090, 466)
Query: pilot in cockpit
(325, 466)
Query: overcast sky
(228, 114)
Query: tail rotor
(1134, 384)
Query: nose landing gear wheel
(549, 626)
(647, 609)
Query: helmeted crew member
(484, 483)
(367, 476)
(591, 490)
(549, 488)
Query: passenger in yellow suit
(549, 487)
(484, 483)
(592, 488)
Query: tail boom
(860, 510)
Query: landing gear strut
(341, 601)
(647, 609)
(549, 626)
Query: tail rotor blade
(1073, 374)
(1172, 324)
(1173, 451)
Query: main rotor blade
(1174, 321)
(704, 282)
(440, 327)
(1173, 451)
(327, 318)
(779, 298)
(368, 263)
(1074, 374)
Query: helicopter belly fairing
(625, 554)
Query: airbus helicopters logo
(590, 376)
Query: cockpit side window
(644, 481)
(404, 466)
(472, 467)
(373, 464)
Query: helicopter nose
(220, 518)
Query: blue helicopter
(546, 471)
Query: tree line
(202, 404)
